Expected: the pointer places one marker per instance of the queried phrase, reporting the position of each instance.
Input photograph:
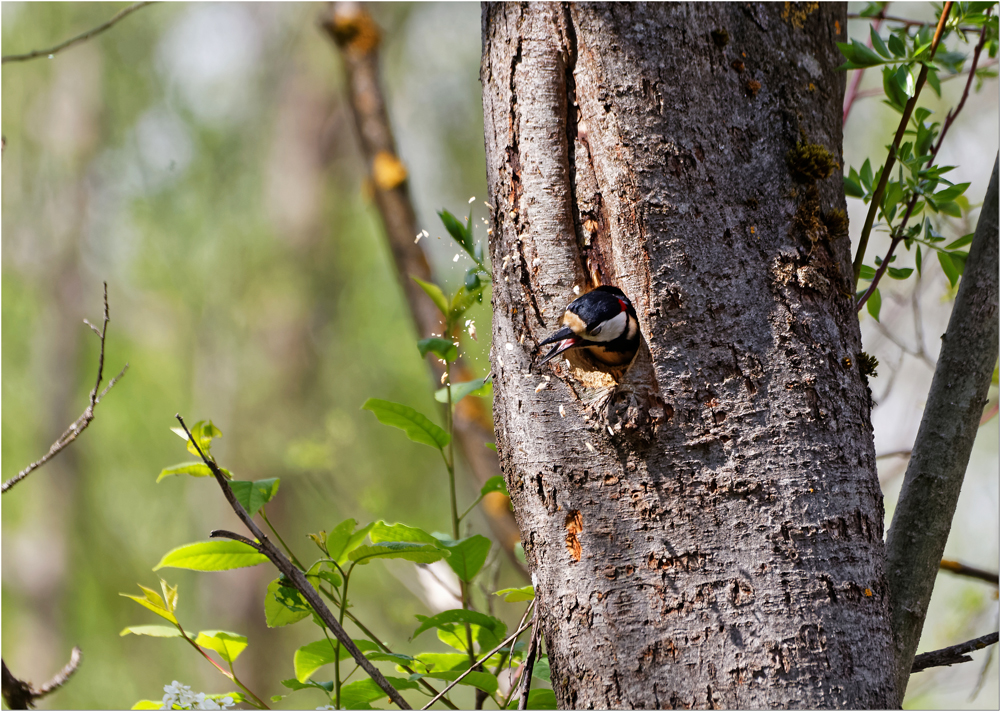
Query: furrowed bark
(933, 479)
(713, 536)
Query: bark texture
(933, 481)
(708, 534)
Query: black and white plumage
(601, 321)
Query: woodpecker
(601, 321)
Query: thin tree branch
(75, 40)
(81, 423)
(908, 23)
(357, 36)
(295, 576)
(952, 655)
(956, 568)
(529, 664)
(868, 93)
(890, 160)
(18, 694)
(898, 233)
(933, 480)
(478, 663)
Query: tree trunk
(708, 533)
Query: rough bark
(933, 481)
(712, 536)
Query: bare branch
(956, 568)
(295, 576)
(75, 40)
(20, 694)
(933, 481)
(221, 533)
(83, 421)
(529, 664)
(952, 655)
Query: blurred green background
(201, 160)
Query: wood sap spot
(574, 526)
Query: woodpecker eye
(596, 330)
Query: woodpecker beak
(564, 339)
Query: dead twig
(952, 655)
(529, 664)
(78, 39)
(968, 571)
(18, 694)
(81, 423)
(295, 576)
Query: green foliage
(401, 550)
(151, 630)
(417, 427)
(284, 605)
(494, 484)
(202, 434)
(467, 555)
(441, 347)
(309, 658)
(517, 594)
(212, 556)
(163, 606)
(254, 494)
(480, 387)
(229, 645)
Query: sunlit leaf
(212, 556)
(494, 483)
(517, 594)
(382, 531)
(441, 347)
(284, 605)
(417, 427)
(152, 601)
(229, 645)
(874, 304)
(467, 555)
(151, 631)
(479, 387)
(416, 552)
(434, 291)
(343, 539)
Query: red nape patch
(622, 304)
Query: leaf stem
(890, 160)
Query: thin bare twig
(953, 566)
(529, 663)
(898, 233)
(952, 655)
(295, 576)
(509, 640)
(890, 160)
(20, 694)
(81, 423)
(75, 40)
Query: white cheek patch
(610, 329)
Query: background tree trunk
(713, 537)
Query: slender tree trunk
(710, 535)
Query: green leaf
(961, 241)
(203, 433)
(151, 600)
(467, 555)
(866, 175)
(314, 655)
(478, 387)
(452, 617)
(441, 347)
(896, 45)
(878, 44)
(147, 704)
(360, 694)
(189, 468)
(950, 208)
(480, 680)
(517, 594)
(490, 445)
(920, 259)
(951, 192)
(151, 631)
(434, 291)
(463, 300)
(494, 483)
(254, 494)
(958, 259)
(343, 539)
(437, 661)
(541, 669)
(382, 531)
(852, 188)
(874, 304)
(541, 699)
(900, 273)
(867, 273)
(459, 232)
(933, 80)
(417, 427)
(472, 280)
(864, 57)
(284, 605)
(212, 556)
(229, 645)
(416, 552)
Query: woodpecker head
(602, 321)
